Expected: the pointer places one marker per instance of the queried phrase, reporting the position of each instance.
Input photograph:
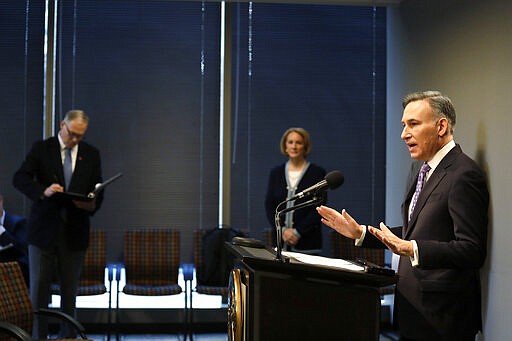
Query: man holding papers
(58, 228)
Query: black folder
(92, 195)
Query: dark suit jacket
(41, 168)
(441, 299)
(16, 230)
(15, 234)
(305, 220)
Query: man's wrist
(359, 241)
(411, 248)
(415, 257)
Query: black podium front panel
(292, 301)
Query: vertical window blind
(147, 73)
(321, 68)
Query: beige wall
(464, 49)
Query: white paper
(325, 261)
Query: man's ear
(442, 129)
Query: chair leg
(109, 312)
(188, 275)
(117, 311)
(185, 322)
(191, 316)
(118, 267)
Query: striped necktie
(419, 185)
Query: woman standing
(302, 228)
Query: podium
(273, 300)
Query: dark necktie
(68, 168)
(419, 185)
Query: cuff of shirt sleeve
(359, 242)
(415, 261)
(296, 233)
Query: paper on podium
(325, 261)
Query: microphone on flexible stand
(332, 180)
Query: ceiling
(331, 2)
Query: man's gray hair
(441, 105)
(76, 114)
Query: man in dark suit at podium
(58, 227)
(442, 243)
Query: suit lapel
(405, 207)
(431, 184)
(434, 181)
(7, 221)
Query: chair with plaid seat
(16, 311)
(342, 247)
(268, 236)
(151, 262)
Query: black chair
(213, 264)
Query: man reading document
(58, 227)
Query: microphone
(332, 180)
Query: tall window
(21, 89)
(321, 68)
(147, 73)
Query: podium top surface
(263, 259)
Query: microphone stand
(279, 214)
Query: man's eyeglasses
(73, 135)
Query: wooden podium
(273, 300)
